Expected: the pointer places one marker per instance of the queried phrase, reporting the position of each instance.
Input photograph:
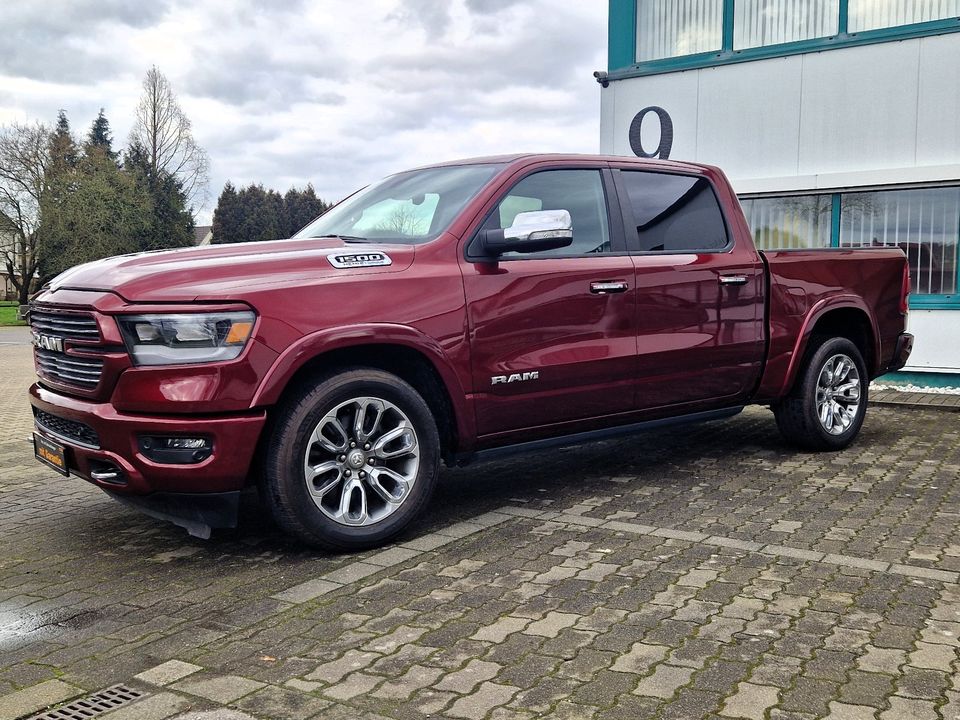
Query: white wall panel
(937, 345)
(938, 115)
(608, 100)
(746, 131)
(875, 110)
(860, 108)
(676, 93)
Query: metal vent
(71, 430)
(92, 705)
(74, 326)
(69, 369)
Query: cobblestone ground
(703, 572)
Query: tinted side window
(580, 192)
(674, 213)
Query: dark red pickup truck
(440, 313)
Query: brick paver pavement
(703, 572)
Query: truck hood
(225, 272)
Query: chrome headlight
(185, 338)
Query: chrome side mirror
(531, 232)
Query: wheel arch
(846, 317)
(399, 350)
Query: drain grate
(92, 705)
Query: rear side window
(674, 213)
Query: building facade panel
(744, 131)
(861, 108)
(938, 112)
(832, 137)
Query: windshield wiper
(345, 238)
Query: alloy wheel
(361, 461)
(838, 394)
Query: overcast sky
(333, 92)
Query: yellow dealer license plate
(50, 453)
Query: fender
(817, 311)
(323, 341)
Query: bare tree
(404, 220)
(24, 156)
(162, 129)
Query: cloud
(434, 17)
(333, 92)
(483, 7)
(58, 40)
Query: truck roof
(522, 159)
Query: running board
(596, 435)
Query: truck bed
(805, 283)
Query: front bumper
(234, 439)
(902, 352)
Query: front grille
(70, 369)
(78, 432)
(65, 325)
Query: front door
(553, 333)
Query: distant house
(7, 290)
(202, 235)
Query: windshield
(411, 207)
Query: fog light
(175, 450)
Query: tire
(826, 408)
(357, 496)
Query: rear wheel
(826, 408)
(352, 460)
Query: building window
(877, 14)
(758, 23)
(669, 28)
(924, 223)
(786, 223)
(654, 34)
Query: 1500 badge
(356, 260)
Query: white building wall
(866, 116)
(869, 108)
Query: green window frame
(622, 41)
(917, 301)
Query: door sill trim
(595, 435)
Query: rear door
(699, 295)
(553, 334)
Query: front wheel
(826, 408)
(352, 460)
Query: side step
(596, 435)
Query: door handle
(608, 288)
(733, 279)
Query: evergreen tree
(226, 216)
(255, 214)
(63, 147)
(60, 178)
(100, 136)
(171, 223)
(261, 214)
(104, 213)
(300, 207)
